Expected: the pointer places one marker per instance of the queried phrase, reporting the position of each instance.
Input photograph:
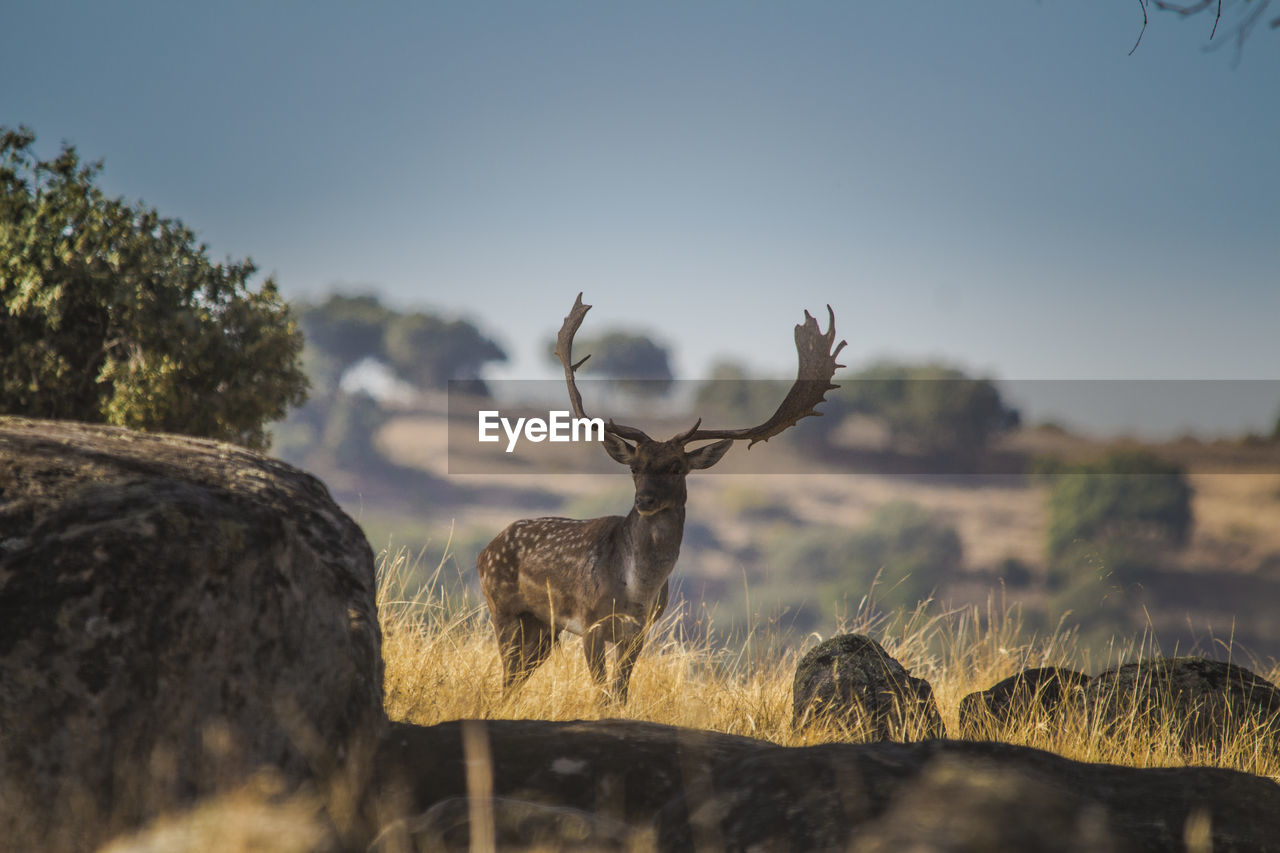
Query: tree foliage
(346, 329)
(903, 547)
(1123, 507)
(429, 351)
(634, 361)
(732, 395)
(928, 408)
(423, 349)
(113, 313)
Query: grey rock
(1044, 694)
(975, 805)
(623, 770)
(507, 825)
(852, 681)
(174, 613)
(695, 790)
(1205, 702)
(828, 797)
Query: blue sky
(996, 184)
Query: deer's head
(659, 468)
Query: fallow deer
(605, 579)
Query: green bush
(906, 548)
(929, 408)
(352, 421)
(111, 313)
(1129, 498)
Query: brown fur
(604, 579)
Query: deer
(607, 579)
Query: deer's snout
(646, 502)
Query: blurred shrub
(1129, 500)
(1015, 572)
(930, 408)
(912, 552)
(731, 395)
(1098, 588)
(349, 429)
(422, 348)
(751, 504)
(635, 362)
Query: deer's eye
(673, 468)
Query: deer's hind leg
(525, 641)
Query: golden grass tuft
(442, 664)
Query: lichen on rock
(174, 613)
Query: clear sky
(998, 184)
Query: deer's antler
(564, 351)
(813, 381)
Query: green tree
(929, 408)
(423, 349)
(429, 351)
(342, 331)
(731, 394)
(113, 313)
(353, 419)
(906, 547)
(635, 362)
(1111, 524)
(1127, 497)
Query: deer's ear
(705, 457)
(618, 449)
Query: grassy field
(748, 517)
(442, 664)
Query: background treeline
(114, 313)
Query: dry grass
(442, 664)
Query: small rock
(1205, 702)
(1033, 695)
(852, 681)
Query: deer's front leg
(627, 647)
(593, 643)
(629, 639)
(660, 605)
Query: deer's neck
(651, 544)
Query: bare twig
(1242, 28)
(1143, 4)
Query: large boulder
(508, 825)
(1203, 703)
(623, 770)
(1045, 694)
(691, 790)
(174, 613)
(975, 805)
(851, 681)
